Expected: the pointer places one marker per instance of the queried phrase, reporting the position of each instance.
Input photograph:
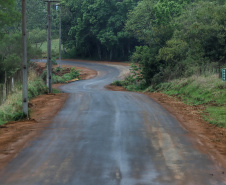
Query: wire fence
(9, 85)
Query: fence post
(12, 84)
(5, 88)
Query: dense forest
(166, 38)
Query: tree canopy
(96, 28)
(167, 38)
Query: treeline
(11, 34)
(95, 29)
(167, 38)
(181, 37)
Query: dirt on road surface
(208, 138)
(14, 136)
(106, 137)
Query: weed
(118, 83)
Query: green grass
(130, 83)
(11, 110)
(54, 48)
(62, 79)
(200, 90)
(197, 90)
(216, 115)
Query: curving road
(103, 137)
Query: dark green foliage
(181, 37)
(117, 83)
(148, 65)
(96, 28)
(8, 14)
(11, 53)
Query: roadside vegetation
(11, 110)
(62, 75)
(177, 46)
(182, 54)
(208, 91)
(54, 46)
(11, 52)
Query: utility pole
(60, 37)
(49, 62)
(49, 56)
(24, 66)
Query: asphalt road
(103, 137)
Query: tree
(97, 28)
(8, 14)
(37, 37)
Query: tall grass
(11, 110)
(54, 48)
(209, 91)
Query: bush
(117, 83)
(66, 77)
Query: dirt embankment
(14, 136)
(208, 138)
(85, 73)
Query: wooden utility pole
(24, 66)
(49, 61)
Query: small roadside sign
(224, 74)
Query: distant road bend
(103, 137)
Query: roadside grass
(131, 84)
(54, 48)
(73, 74)
(66, 77)
(196, 90)
(208, 91)
(216, 115)
(11, 110)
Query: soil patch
(115, 88)
(14, 136)
(208, 138)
